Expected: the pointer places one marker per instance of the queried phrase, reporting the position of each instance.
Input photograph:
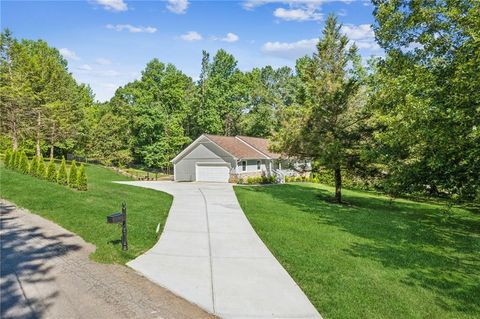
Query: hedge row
(257, 180)
(75, 178)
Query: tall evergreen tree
(326, 127)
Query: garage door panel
(213, 173)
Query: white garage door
(218, 172)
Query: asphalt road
(45, 272)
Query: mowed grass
(84, 213)
(371, 258)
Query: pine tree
(34, 166)
(51, 171)
(41, 170)
(72, 175)
(82, 179)
(8, 155)
(62, 177)
(23, 163)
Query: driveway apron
(210, 255)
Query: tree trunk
(52, 141)
(338, 185)
(37, 137)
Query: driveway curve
(210, 255)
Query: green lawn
(372, 258)
(84, 213)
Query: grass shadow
(438, 253)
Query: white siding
(206, 152)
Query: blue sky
(108, 42)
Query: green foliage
(82, 179)
(241, 180)
(16, 160)
(41, 169)
(250, 180)
(327, 125)
(8, 156)
(72, 175)
(51, 174)
(427, 97)
(62, 177)
(23, 164)
(33, 166)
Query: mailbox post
(120, 218)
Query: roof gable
(261, 144)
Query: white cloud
(178, 6)
(103, 61)
(362, 35)
(290, 50)
(297, 14)
(69, 54)
(131, 28)
(191, 36)
(85, 67)
(230, 37)
(113, 5)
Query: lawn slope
(372, 258)
(84, 213)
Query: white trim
(234, 157)
(174, 160)
(194, 143)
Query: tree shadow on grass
(24, 251)
(437, 253)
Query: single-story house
(214, 158)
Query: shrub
(81, 179)
(8, 156)
(41, 170)
(264, 179)
(250, 180)
(23, 165)
(33, 166)
(272, 179)
(258, 179)
(241, 180)
(16, 160)
(51, 171)
(72, 175)
(62, 177)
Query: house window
(244, 166)
(258, 165)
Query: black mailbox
(120, 218)
(115, 218)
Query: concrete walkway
(210, 255)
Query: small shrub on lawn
(15, 160)
(272, 179)
(8, 156)
(264, 180)
(51, 171)
(33, 166)
(250, 180)
(81, 179)
(23, 163)
(258, 179)
(62, 177)
(72, 175)
(41, 170)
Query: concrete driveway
(210, 255)
(45, 272)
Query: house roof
(236, 147)
(261, 144)
(239, 147)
